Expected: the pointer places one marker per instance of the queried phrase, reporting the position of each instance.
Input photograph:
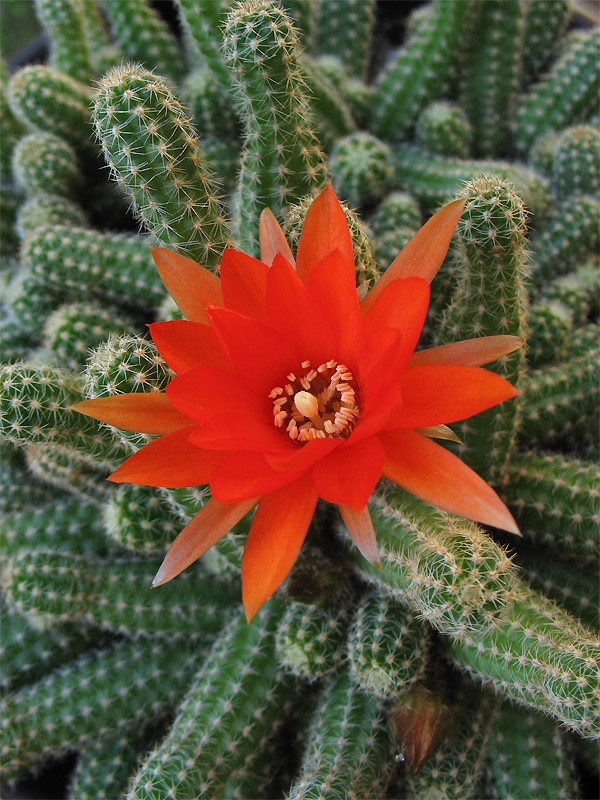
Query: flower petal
(360, 527)
(171, 461)
(278, 530)
(191, 286)
(272, 240)
(302, 458)
(290, 307)
(244, 283)
(246, 474)
(143, 412)
(424, 253)
(333, 287)
(469, 352)
(402, 305)
(206, 391)
(210, 524)
(442, 393)
(436, 475)
(325, 229)
(349, 475)
(185, 345)
(261, 356)
(227, 432)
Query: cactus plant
(368, 674)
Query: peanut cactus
(344, 683)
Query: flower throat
(319, 404)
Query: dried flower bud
(417, 723)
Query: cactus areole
(290, 388)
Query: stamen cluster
(321, 403)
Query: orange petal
(191, 286)
(436, 475)
(209, 525)
(469, 352)
(360, 527)
(349, 475)
(150, 412)
(442, 393)
(171, 461)
(424, 254)
(402, 305)
(247, 474)
(325, 229)
(227, 432)
(276, 536)
(272, 240)
(185, 345)
(244, 283)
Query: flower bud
(417, 723)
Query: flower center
(320, 403)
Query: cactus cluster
(465, 664)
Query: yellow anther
(307, 404)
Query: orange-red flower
(289, 388)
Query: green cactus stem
(576, 165)
(363, 169)
(140, 519)
(69, 471)
(45, 210)
(348, 750)
(556, 502)
(45, 164)
(344, 28)
(528, 756)
(282, 160)
(490, 298)
(154, 153)
(550, 323)
(444, 130)
(11, 128)
(565, 95)
(203, 20)
(143, 37)
(62, 21)
(545, 23)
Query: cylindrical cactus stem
(540, 656)
(362, 167)
(492, 74)
(387, 646)
(116, 594)
(311, 639)
(392, 226)
(566, 237)
(64, 468)
(231, 710)
(104, 769)
(67, 524)
(433, 179)
(576, 591)
(450, 573)
(49, 210)
(444, 130)
(110, 266)
(154, 154)
(62, 21)
(453, 770)
(584, 340)
(574, 291)
(36, 404)
(329, 112)
(11, 128)
(550, 323)
(126, 364)
(30, 301)
(204, 20)
(528, 756)
(28, 653)
(556, 502)
(348, 749)
(490, 298)
(103, 695)
(140, 519)
(541, 155)
(545, 23)
(45, 164)
(143, 37)
(422, 68)
(73, 329)
(9, 203)
(282, 160)
(576, 164)
(357, 96)
(565, 95)
(45, 99)
(560, 404)
(367, 271)
(21, 493)
(344, 28)
(210, 105)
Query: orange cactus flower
(289, 388)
